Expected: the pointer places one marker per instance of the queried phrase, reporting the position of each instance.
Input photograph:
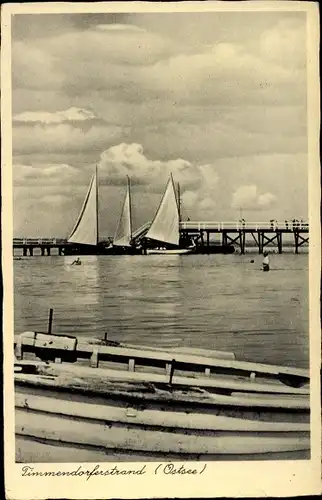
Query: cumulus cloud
(129, 159)
(72, 114)
(197, 182)
(247, 197)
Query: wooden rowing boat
(169, 251)
(86, 401)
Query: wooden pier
(259, 235)
(45, 245)
(241, 234)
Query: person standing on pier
(266, 262)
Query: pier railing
(240, 225)
(188, 226)
(40, 241)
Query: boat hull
(100, 250)
(179, 251)
(141, 403)
(53, 426)
(29, 450)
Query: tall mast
(130, 203)
(96, 174)
(179, 202)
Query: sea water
(221, 302)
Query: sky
(216, 98)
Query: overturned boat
(95, 400)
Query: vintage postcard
(161, 249)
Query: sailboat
(84, 237)
(123, 234)
(164, 228)
(123, 238)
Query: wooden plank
(35, 451)
(229, 384)
(18, 349)
(106, 436)
(165, 419)
(94, 357)
(131, 365)
(188, 351)
(114, 386)
(218, 365)
(50, 341)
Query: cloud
(63, 137)
(208, 197)
(72, 114)
(285, 43)
(49, 185)
(83, 59)
(247, 197)
(133, 61)
(119, 27)
(220, 103)
(45, 175)
(54, 200)
(129, 159)
(272, 70)
(189, 100)
(197, 181)
(33, 67)
(266, 200)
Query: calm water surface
(210, 301)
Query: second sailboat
(163, 236)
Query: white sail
(165, 226)
(123, 234)
(85, 231)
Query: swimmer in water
(266, 262)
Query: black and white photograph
(162, 183)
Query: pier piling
(50, 320)
(172, 371)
